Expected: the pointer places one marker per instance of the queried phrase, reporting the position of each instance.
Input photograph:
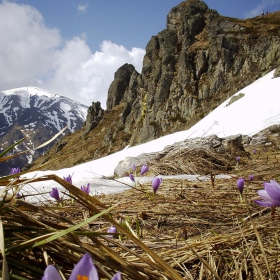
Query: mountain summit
(37, 115)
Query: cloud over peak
(36, 55)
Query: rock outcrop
(197, 62)
(94, 116)
(119, 85)
(219, 150)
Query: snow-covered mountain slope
(255, 108)
(37, 115)
(54, 110)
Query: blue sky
(73, 47)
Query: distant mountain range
(37, 115)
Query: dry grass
(191, 230)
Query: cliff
(197, 62)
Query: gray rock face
(231, 146)
(190, 67)
(94, 116)
(119, 85)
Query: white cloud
(263, 5)
(27, 46)
(82, 8)
(32, 54)
(87, 76)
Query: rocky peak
(198, 61)
(187, 19)
(117, 88)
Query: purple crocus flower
(51, 273)
(240, 184)
(18, 195)
(133, 167)
(55, 194)
(270, 194)
(68, 179)
(15, 171)
(144, 169)
(238, 159)
(86, 188)
(251, 177)
(131, 177)
(84, 269)
(112, 229)
(254, 151)
(156, 183)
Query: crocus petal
(156, 183)
(68, 179)
(275, 183)
(51, 273)
(88, 188)
(274, 193)
(15, 171)
(264, 203)
(144, 169)
(131, 177)
(84, 267)
(240, 184)
(117, 276)
(263, 194)
(112, 229)
(55, 194)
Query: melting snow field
(256, 110)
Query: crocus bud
(240, 184)
(237, 159)
(15, 171)
(55, 194)
(156, 183)
(133, 167)
(111, 229)
(68, 179)
(144, 169)
(251, 177)
(131, 177)
(86, 188)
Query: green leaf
(11, 147)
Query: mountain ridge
(36, 115)
(196, 63)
